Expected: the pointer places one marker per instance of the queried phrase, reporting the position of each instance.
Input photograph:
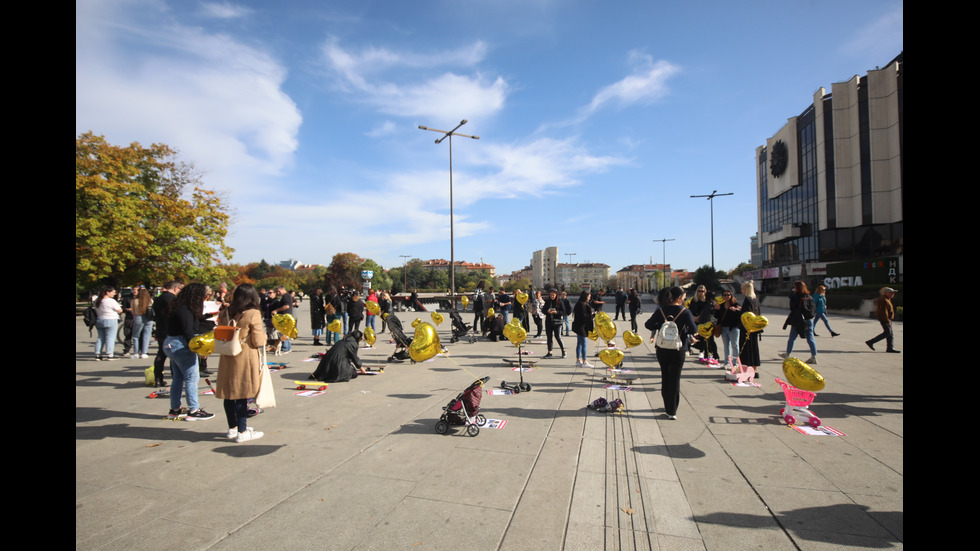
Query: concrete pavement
(361, 467)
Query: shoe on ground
(893, 351)
(233, 433)
(782, 355)
(563, 355)
(812, 360)
(110, 358)
(578, 363)
(175, 413)
(199, 415)
(832, 334)
(587, 364)
(249, 434)
(548, 355)
(871, 346)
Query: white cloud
(647, 83)
(225, 10)
(402, 84)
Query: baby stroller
(460, 328)
(464, 410)
(797, 401)
(402, 342)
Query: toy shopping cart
(796, 408)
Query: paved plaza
(361, 467)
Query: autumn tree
(141, 215)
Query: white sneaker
(233, 433)
(250, 434)
(578, 363)
(587, 364)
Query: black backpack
(807, 307)
(89, 316)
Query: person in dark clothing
(554, 310)
(355, 312)
(496, 328)
(183, 324)
(702, 308)
(634, 307)
(620, 304)
(672, 361)
(318, 317)
(582, 324)
(340, 364)
(161, 310)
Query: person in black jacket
(355, 312)
(554, 311)
(161, 309)
(340, 364)
(672, 361)
(183, 324)
(582, 324)
(318, 318)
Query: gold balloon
(802, 376)
(606, 329)
(631, 339)
(425, 344)
(720, 299)
(285, 324)
(369, 336)
(521, 297)
(465, 301)
(753, 323)
(593, 334)
(706, 329)
(202, 345)
(335, 326)
(515, 332)
(601, 317)
(490, 313)
(687, 303)
(416, 322)
(437, 317)
(372, 307)
(611, 356)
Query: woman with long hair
(582, 324)
(142, 322)
(729, 315)
(820, 302)
(671, 301)
(240, 377)
(107, 311)
(799, 324)
(537, 307)
(702, 308)
(633, 297)
(555, 311)
(749, 355)
(183, 324)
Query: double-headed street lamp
(711, 199)
(452, 251)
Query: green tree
(141, 215)
(344, 270)
(709, 277)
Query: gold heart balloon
(416, 322)
(335, 326)
(802, 376)
(202, 345)
(437, 317)
(515, 332)
(631, 339)
(606, 329)
(426, 343)
(593, 334)
(611, 356)
(521, 298)
(706, 329)
(372, 307)
(490, 313)
(753, 323)
(285, 324)
(370, 336)
(601, 317)
(465, 301)
(720, 299)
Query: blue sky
(597, 120)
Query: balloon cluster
(426, 343)
(605, 328)
(285, 324)
(515, 332)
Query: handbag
(227, 339)
(266, 397)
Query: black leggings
(671, 363)
(554, 332)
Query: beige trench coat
(239, 376)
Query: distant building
(544, 265)
(831, 203)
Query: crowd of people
(180, 312)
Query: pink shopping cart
(797, 401)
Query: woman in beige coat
(239, 377)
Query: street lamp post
(452, 251)
(664, 257)
(711, 199)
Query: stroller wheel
(790, 420)
(814, 422)
(442, 426)
(481, 420)
(472, 430)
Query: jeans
(822, 316)
(332, 336)
(369, 322)
(565, 320)
(808, 335)
(729, 340)
(236, 412)
(344, 317)
(580, 347)
(106, 336)
(185, 372)
(886, 334)
(142, 332)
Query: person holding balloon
(239, 377)
(537, 309)
(183, 324)
(749, 355)
(728, 314)
(702, 308)
(555, 311)
(671, 301)
(582, 324)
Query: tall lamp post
(452, 251)
(570, 255)
(664, 257)
(711, 199)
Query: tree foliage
(709, 277)
(141, 215)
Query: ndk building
(829, 188)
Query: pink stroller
(797, 401)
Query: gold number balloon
(611, 356)
(515, 332)
(335, 326)
(706, 329)
(369, 336)
(631, 339)
(285, 324)
(372, 307)
(202, 345)
(426, 343)
(466, 301)
(753, 323)
(521, 298)
(802, 376)
(437, 317)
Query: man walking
(885, 312)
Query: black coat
(340, 363)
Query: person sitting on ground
(497, 328)
(340, 364)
